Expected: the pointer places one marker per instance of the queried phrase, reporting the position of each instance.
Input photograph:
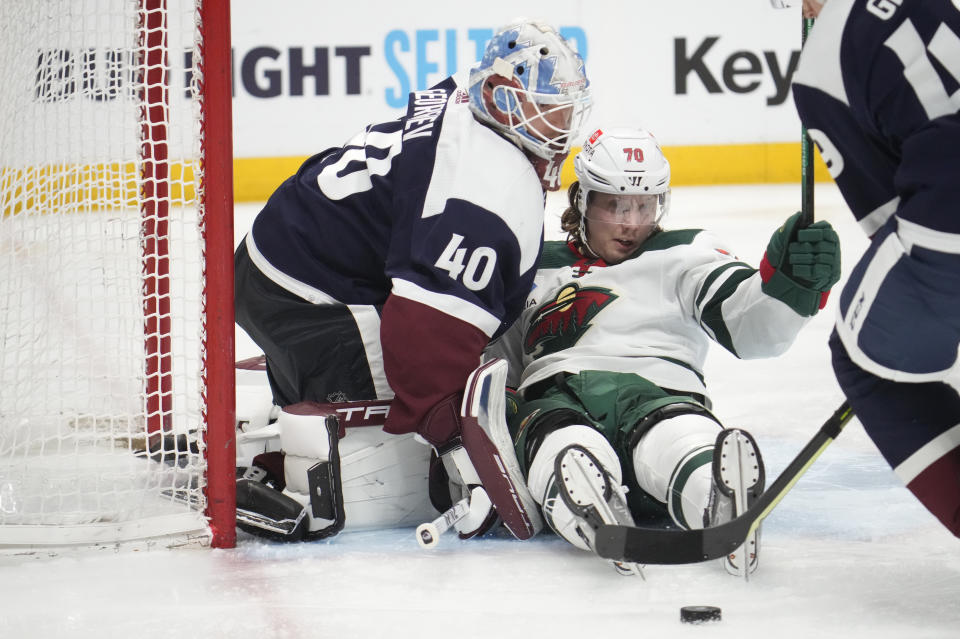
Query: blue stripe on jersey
(902, 309)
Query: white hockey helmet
(531, 87)
(625, 162)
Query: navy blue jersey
(433, 207)
(432, 220)
(877, 87)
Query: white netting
(79, 266)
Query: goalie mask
(627, 166)
(531, 87)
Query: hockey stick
(806, 145)
(663, 546)
(806, 217)
(806, 156)
(428, 535)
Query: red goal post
(116, 252)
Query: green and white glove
(801, 265)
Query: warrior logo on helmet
(561, 322)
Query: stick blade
(670, 546)
(665, 546)
(650, 545)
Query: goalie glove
(801, 265)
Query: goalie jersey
(654, 314)
(432, 206)
(433, 220)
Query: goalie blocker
(305, 500)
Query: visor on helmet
(627, 210)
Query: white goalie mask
(532, 88)
(628, 164)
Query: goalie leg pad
(490, 448)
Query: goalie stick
(664, 546)
(428, 534)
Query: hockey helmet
(627, 163)
(531, 87)
(622, 162)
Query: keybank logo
(740, 71)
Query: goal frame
(217, 202)
(75, 461)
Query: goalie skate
(266, 512)
(593, 499)
(738, 479)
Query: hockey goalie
(383, 268)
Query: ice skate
(581, 495)
(738, 479)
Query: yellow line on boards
(739, 164)
(254, 179)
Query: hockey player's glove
(801, 265)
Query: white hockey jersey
(653, 314)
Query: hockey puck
(699, 614)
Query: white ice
(849, 553)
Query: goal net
(116, 329)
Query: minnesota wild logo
(562, 321)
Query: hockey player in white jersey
(608, 355)
(383, 267)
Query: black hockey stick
(806, 157)
(666, 546)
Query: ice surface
(849, 553)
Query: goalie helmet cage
(116, 274)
